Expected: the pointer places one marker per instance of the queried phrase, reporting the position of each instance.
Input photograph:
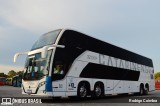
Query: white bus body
(89, 67)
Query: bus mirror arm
(60, 46)
(17, 54)
(45, 49)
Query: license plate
(29, 91)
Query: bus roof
(65, 29)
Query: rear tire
(98, 91)
(146, 91)
(141, 92)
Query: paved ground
(9, 91)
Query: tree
(20, 73)
(3, 75)
(156, 75)
(11, 73)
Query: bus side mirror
(17, 54)
(15, 57)
(45, 49)
(44, 52)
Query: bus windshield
(36, 67)
(46, 39)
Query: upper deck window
(46, 39)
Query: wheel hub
(83, 91)
(98, 91)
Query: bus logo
(6, 101)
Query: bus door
(58, 78)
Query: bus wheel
(98, 90)
(146, 91)
(82, 91)
(141, 92)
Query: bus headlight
(41, 84)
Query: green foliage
(11, 73)
(156, 75)
(20, 73)
(3, 75)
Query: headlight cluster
(41, 84)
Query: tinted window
(74, 46)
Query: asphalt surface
(111, 100)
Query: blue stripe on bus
(48, 84)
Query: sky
(130, 24)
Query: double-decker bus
(2, 81)
(65, 62)
(17, 81)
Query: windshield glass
(46, 39)
(37, 67)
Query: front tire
(82, 91)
